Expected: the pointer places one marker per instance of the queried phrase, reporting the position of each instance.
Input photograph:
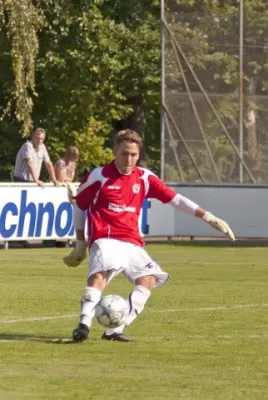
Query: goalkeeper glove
(78, 254)
(219, 224)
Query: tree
(20, 22)
(92, 67)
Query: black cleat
(116, 337)
(80, 333)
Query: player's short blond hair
(129, 136)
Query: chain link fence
(205, 93)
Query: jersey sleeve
(88, 189)
(159, 190)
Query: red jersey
(114, 201)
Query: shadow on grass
(8, 337)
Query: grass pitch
(202, 336)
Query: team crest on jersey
(136, 188)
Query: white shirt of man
(36, 155)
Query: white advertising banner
(30, 212)
(244, 207)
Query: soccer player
(113, 196)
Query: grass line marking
(206, 337)
(36, 319)
(220, 308)
(224, 308)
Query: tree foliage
(90, 70)
(84, 69)
(22, 20)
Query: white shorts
(118, 256)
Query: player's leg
(136, 302)
(79, 253)
(91, 296)
(103, 266)
(145, 274)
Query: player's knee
(98, 280)
(147, 281)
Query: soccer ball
(111, 311)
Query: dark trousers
(20, 180)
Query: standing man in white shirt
(30, 158)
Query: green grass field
(202, 336)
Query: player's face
(126, 156)
(38, 139)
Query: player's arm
(159, 190)
(85, 195)
(79, 253)
(188, 206)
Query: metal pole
(162, 160)
(241, 89)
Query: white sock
(91, 296)
(136, 302)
